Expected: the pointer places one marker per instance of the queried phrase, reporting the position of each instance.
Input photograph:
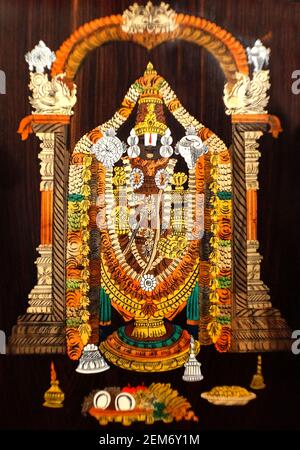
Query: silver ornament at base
(192, 371)
(91, 361)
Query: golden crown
(149, 85)
(150, 124)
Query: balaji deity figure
(149, 234)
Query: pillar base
(257, 326)
(261, 333)
(40, 297)
(258, 293)
(37, 333)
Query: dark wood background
(102, 82)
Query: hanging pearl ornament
(133, 150)
(166, 140)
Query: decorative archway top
(150, 26)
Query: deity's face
(155, 146)
(150, 148)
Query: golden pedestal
(151, 328)
(148, 354)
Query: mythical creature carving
(247, 96)
(51, 96)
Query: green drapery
(105, 308)
(192, 308)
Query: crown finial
(149, 69)
(258, 55)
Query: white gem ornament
(148, 283)
(136, 178)
(133, 138)
(166, 140)
(166, 151)
(133, 149)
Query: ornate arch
(227, 50)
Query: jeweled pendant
(166, 151)
(133, 151)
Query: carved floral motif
(46, 157)
(149, 18)
(252, 155)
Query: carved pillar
(40, 298)
(41, 329)
(258, 292)
(256, 325)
